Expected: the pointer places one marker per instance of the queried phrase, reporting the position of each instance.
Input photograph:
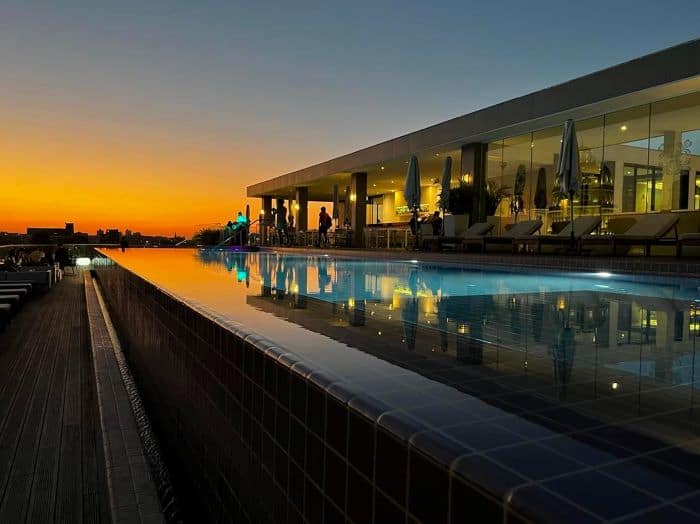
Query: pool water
(495, 360)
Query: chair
(687, 239)
(518, 231)
(476, 231)
(581, 226)
(648, 231)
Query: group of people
(434, 220)
(238, 230)
(18, 258)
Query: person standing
(324, 224)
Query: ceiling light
(382, 168)
(623, 127)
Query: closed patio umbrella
(445, 189)
(411, 192)
(568, 168)
(446, 183)
(541, 189)
(335, 214)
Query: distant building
(110, 236)
(52, 235)
(12, 238)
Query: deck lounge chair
(581, 226)
(475, 231)
(648, 231)
(518, 231)
(687, 239)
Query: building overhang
(671, 72)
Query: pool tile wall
(252, 434)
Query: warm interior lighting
(262, 212)
(561, 303)
(382, 168)
(623, 127)
(467, 178)
(82, 261)
(353, 197)
(614, 385)
(296, 207)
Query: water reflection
(574, 335)
(604, 347)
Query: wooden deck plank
(51, 462)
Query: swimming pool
(547, 381)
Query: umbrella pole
(571, 210)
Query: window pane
(675, 150)
(626, 158)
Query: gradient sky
(156, 115)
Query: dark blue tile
(491, 477)
(691, 503)
(429, 486)
(662, 480)
(538, 505)
(580, 451)
(385, 510)
(361, 444)
(600, 494)
(482, 435)
(678, 458)
(470, 504)
(360, 493)
(391, 466)
(664, 515)
(525, 428)
(534, 462)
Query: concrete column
(358, 195)
(302, 215)
(267, 216)
(473, 162)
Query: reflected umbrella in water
(537, 314)
(409, 312)
(563, 349)
(324, 278)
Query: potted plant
(495, 193)
(460, 205)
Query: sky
(155, 116)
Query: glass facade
(642, 159)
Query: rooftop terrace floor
(51, 458)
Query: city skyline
(161, 115)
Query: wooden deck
(51, 458)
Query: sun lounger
(581, 226)
(5, 311)
(648, 231)
(12, 300)
(687, 239)
(475, 231)
(520, 230)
